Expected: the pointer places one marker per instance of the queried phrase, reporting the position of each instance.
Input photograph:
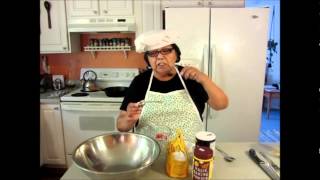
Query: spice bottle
(203, 156)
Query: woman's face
(162, 60)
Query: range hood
(102, 24)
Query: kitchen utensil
(266, 167)
(116, 155)
(90, 86)
(226, 156)
(44, 63)
(47, 5)
(57, 84)
(143, 102)
(276, 167)
(116, 91)
(89, 82)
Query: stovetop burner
(89, 91)
(80, 94)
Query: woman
(175, 96)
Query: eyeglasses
(164, 51)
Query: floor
(270, 128)
(51, 173)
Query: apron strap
(191, 100)
(150, 81)
(184, 86)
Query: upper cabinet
(91, 8)
(54, 37)
(203, 3)
(148, 15)
(53, 27)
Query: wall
(69, 65)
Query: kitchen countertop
(242, 168)
(53, 96)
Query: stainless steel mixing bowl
(117, 155)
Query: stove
(97, 96)
(106, 77)
(89, 114)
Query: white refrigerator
(230, 45)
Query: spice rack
(94, 49)
(114, 44)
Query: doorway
(270, 117)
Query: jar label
(202, 168)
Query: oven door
(84, 120)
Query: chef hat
(155, 39)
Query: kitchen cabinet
(151, 15)
(51, 135)
(148, 16)
(53, 28)
(203, 3)
(92, 8)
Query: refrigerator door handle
(211, 113)
(213, 74)
(205, 59)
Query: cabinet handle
(56, 108)
(95, 12)
(64, 48)
(105, 11)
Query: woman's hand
(127, 119)
(193, 73)
(134, 111)
(217, 98)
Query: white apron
(176, 110)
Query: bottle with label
(205, 138)
(203, 156)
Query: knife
(263, 165)
(276, 167)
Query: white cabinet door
(150, 15)
(51, 138)
(78, 8)
(92, 8)
(54, 39)
(119, 7)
